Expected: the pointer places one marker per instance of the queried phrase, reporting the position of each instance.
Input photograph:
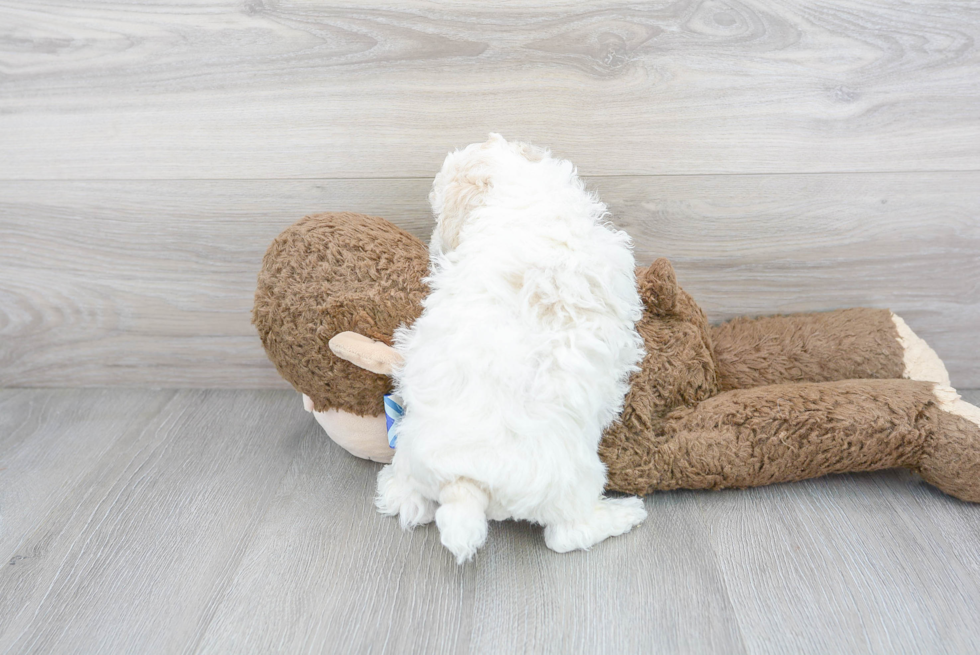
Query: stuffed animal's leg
(779, 433)
(847, 344)
(951, 458)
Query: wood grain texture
(52, 443)
(640, 593)
(134, 557)
(843, 565)
(286, 89)
(151, 283)
(326, 573)
(216, 522)
(756, 245)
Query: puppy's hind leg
(608, 517)
(398, 495)
(462, 518)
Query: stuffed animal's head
(326, 275)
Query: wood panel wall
(787, 156)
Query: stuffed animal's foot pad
(921, 362)
(397, 496)
(610, 517)
(950, 401)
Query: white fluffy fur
(520, 359)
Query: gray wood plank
(50, 441)
(136, 555)
(643, 592)
(227, 89)
(845, 564)
(325, 572)
(151, 283)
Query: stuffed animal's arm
(367, 353)
(779, 433)
(822, 347)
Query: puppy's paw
(461, 529)
(462, 518)
(416, 510)
(610, 517)
(398, 496)
(623, 514)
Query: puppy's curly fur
(520, 359)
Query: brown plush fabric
(331, 273)
(951, 459)
(751, 402)
(847, 344)
(678, 368)
(777, 433)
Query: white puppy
(520, 359)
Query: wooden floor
(147, 521)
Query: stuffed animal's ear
(367, 353)
(658, 287)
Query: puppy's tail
(462, 517)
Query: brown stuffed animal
(743, 404)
